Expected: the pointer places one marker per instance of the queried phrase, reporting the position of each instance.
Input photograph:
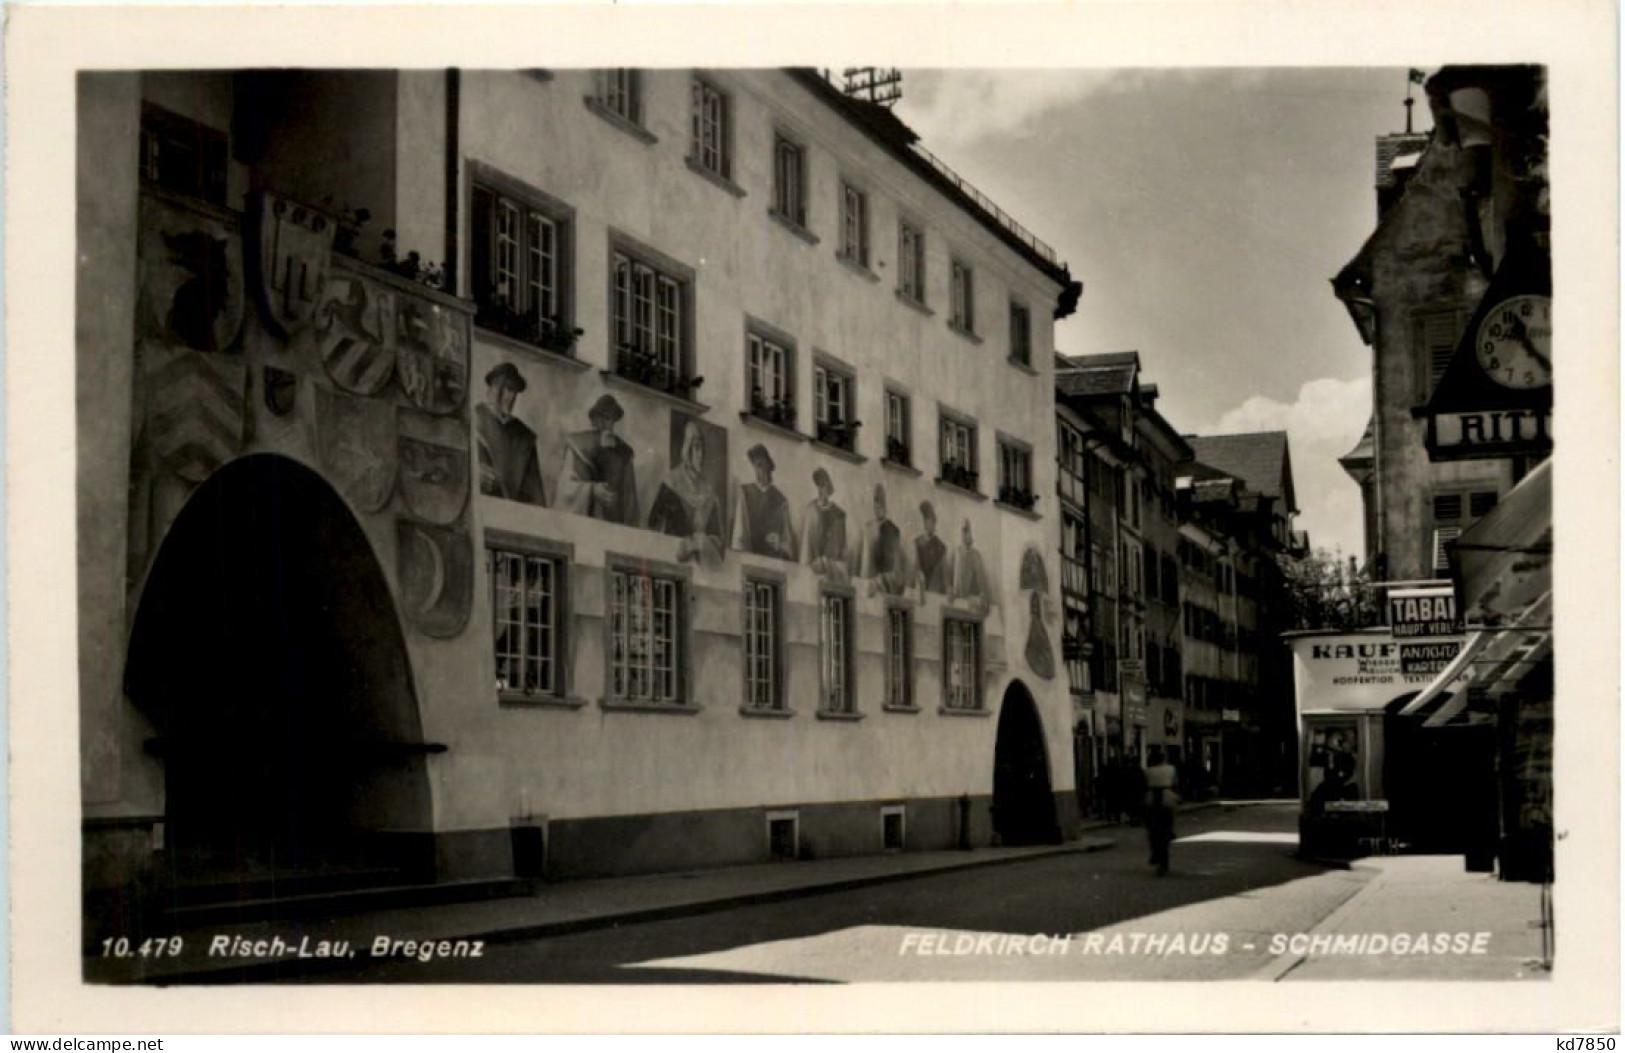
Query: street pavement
(1236, 889)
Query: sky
(1205, 212)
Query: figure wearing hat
(930, 554)
(824, 546)
(596, 478)
(883, 560)
(764, 514)
(509, 465)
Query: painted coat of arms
(356, 334)
(295, 244)
(436, 569)
(432, 362)
(191, 278)
(434, 465)
(355, 443)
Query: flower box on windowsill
(766, 711)
(548, 334)
(644, 370)
(756, 420)
(511, 699)
(684, 709)
(781, 413)
(960, 478)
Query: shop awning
(1489, 657)
(1504, 561)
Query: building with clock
(525, 473)
(1453, 293)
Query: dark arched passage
(267, 653)
(1023, 802)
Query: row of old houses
(1172, 549)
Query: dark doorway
(1023, 803)
(267, 653)
(1441, 787)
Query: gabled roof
(1108, 374)
(1260, 459)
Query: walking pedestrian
(1160, 799)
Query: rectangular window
(763, 662)
(620, 91)
(526, 591)
(789, 181)
(645, 626)
(962, 663)
(897, 428)
(1446, 507)
(1434, 335)
(962, 298)
(517, 263)
(854, 225)
(911, 262)
(182, 155)
(1443, 537)
(958, 452)
(835, 653)
(768, 375)
(1016, 475)
(833, 403)
(1021, 333)
(899, 655)
(647, 306)
(709, 129)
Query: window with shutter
(1435, 335)
(1446, 507)
(1442, 537)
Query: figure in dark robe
(764, 514)
(824, 547)
(1040, 655)
(882, 561)
(686, 507)
(596, 478)
(930, 554)
(509, 464)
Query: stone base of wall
(124, 873)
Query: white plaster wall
(589, 761)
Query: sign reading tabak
(1425, 627)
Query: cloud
(956, 107)
(1322, 424)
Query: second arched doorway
(1023, 798)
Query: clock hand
(1522, 335)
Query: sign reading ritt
(1425, 627)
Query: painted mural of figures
(883, 561)
(1035, 578)
(824, 546)
(930, 554)
(509, 464)
(764, 514)
(686, 505)
(969, 578)
(596, 478)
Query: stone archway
(267, 653)
(1023, 799)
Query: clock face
(1514, 342)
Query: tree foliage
(1326, 591)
